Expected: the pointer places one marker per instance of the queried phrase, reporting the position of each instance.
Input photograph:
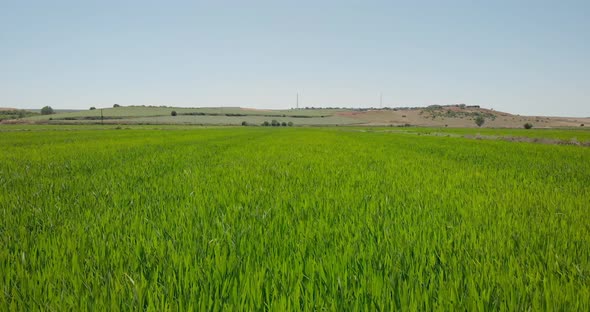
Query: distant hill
(457, 116)
(460, 115)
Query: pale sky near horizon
(523, 57)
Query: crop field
(580, 134)
(215, 120)
(227, 116)
(263, 218)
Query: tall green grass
(290, 219)
(581, 134)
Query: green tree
(479, 121)
(47, 110)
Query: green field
(579, 134)
(262, 218)
(138, 115)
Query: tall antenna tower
(380, 100)
(297, 101)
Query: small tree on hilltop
(173, 113)
(528, 125)
(47, 110)
(479, 121)
(116, 105)
(92, 108)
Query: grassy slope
(165, 111)
(216, 116)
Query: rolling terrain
(455, 116)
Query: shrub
(92, 108)
(479, 121)
(47, 110)
(581, 125)
(116, 105)
(284, 124)
(528, 125)
(266, 124)
(290, 124)
(173, 113)
(275, 123)
(244, 123)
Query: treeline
(273, 123)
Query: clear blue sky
(526, 57)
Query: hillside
(7, 113)
(431, 116)
(457, 116)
